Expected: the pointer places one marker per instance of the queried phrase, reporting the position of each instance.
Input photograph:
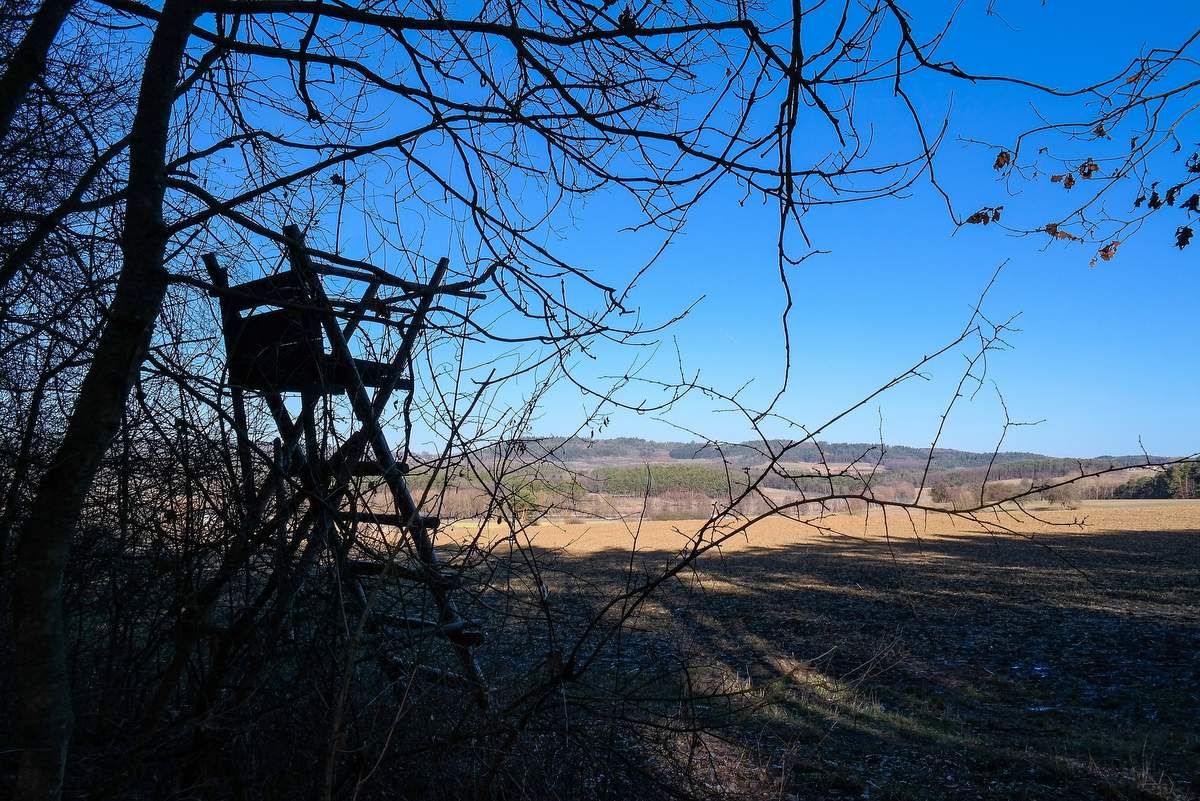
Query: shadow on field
(955, 667)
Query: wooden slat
(385, 519)
(369, 468)
(365, 567)
(465, 632)
(270, 290)
(366, 469)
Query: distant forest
(1020, 464)
(894, 457)
(1177, 481)
(630, 466)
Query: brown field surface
(1092, 517)
(931, 660)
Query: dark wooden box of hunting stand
(283, 350)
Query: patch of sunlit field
(878, 527)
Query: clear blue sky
(1107, 354)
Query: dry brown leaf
(988, 214)
(1183, 235)
(1108, 251)
(1088, 168)
(1003, 159)
(1052, 229)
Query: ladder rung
(379, 518)
(385, 519)
(370, 468)
(460, 632)
(366, 567)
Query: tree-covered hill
(635, 451)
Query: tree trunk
(29, 59)
(43, 703)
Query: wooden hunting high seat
(283, 349)
(276, 330)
